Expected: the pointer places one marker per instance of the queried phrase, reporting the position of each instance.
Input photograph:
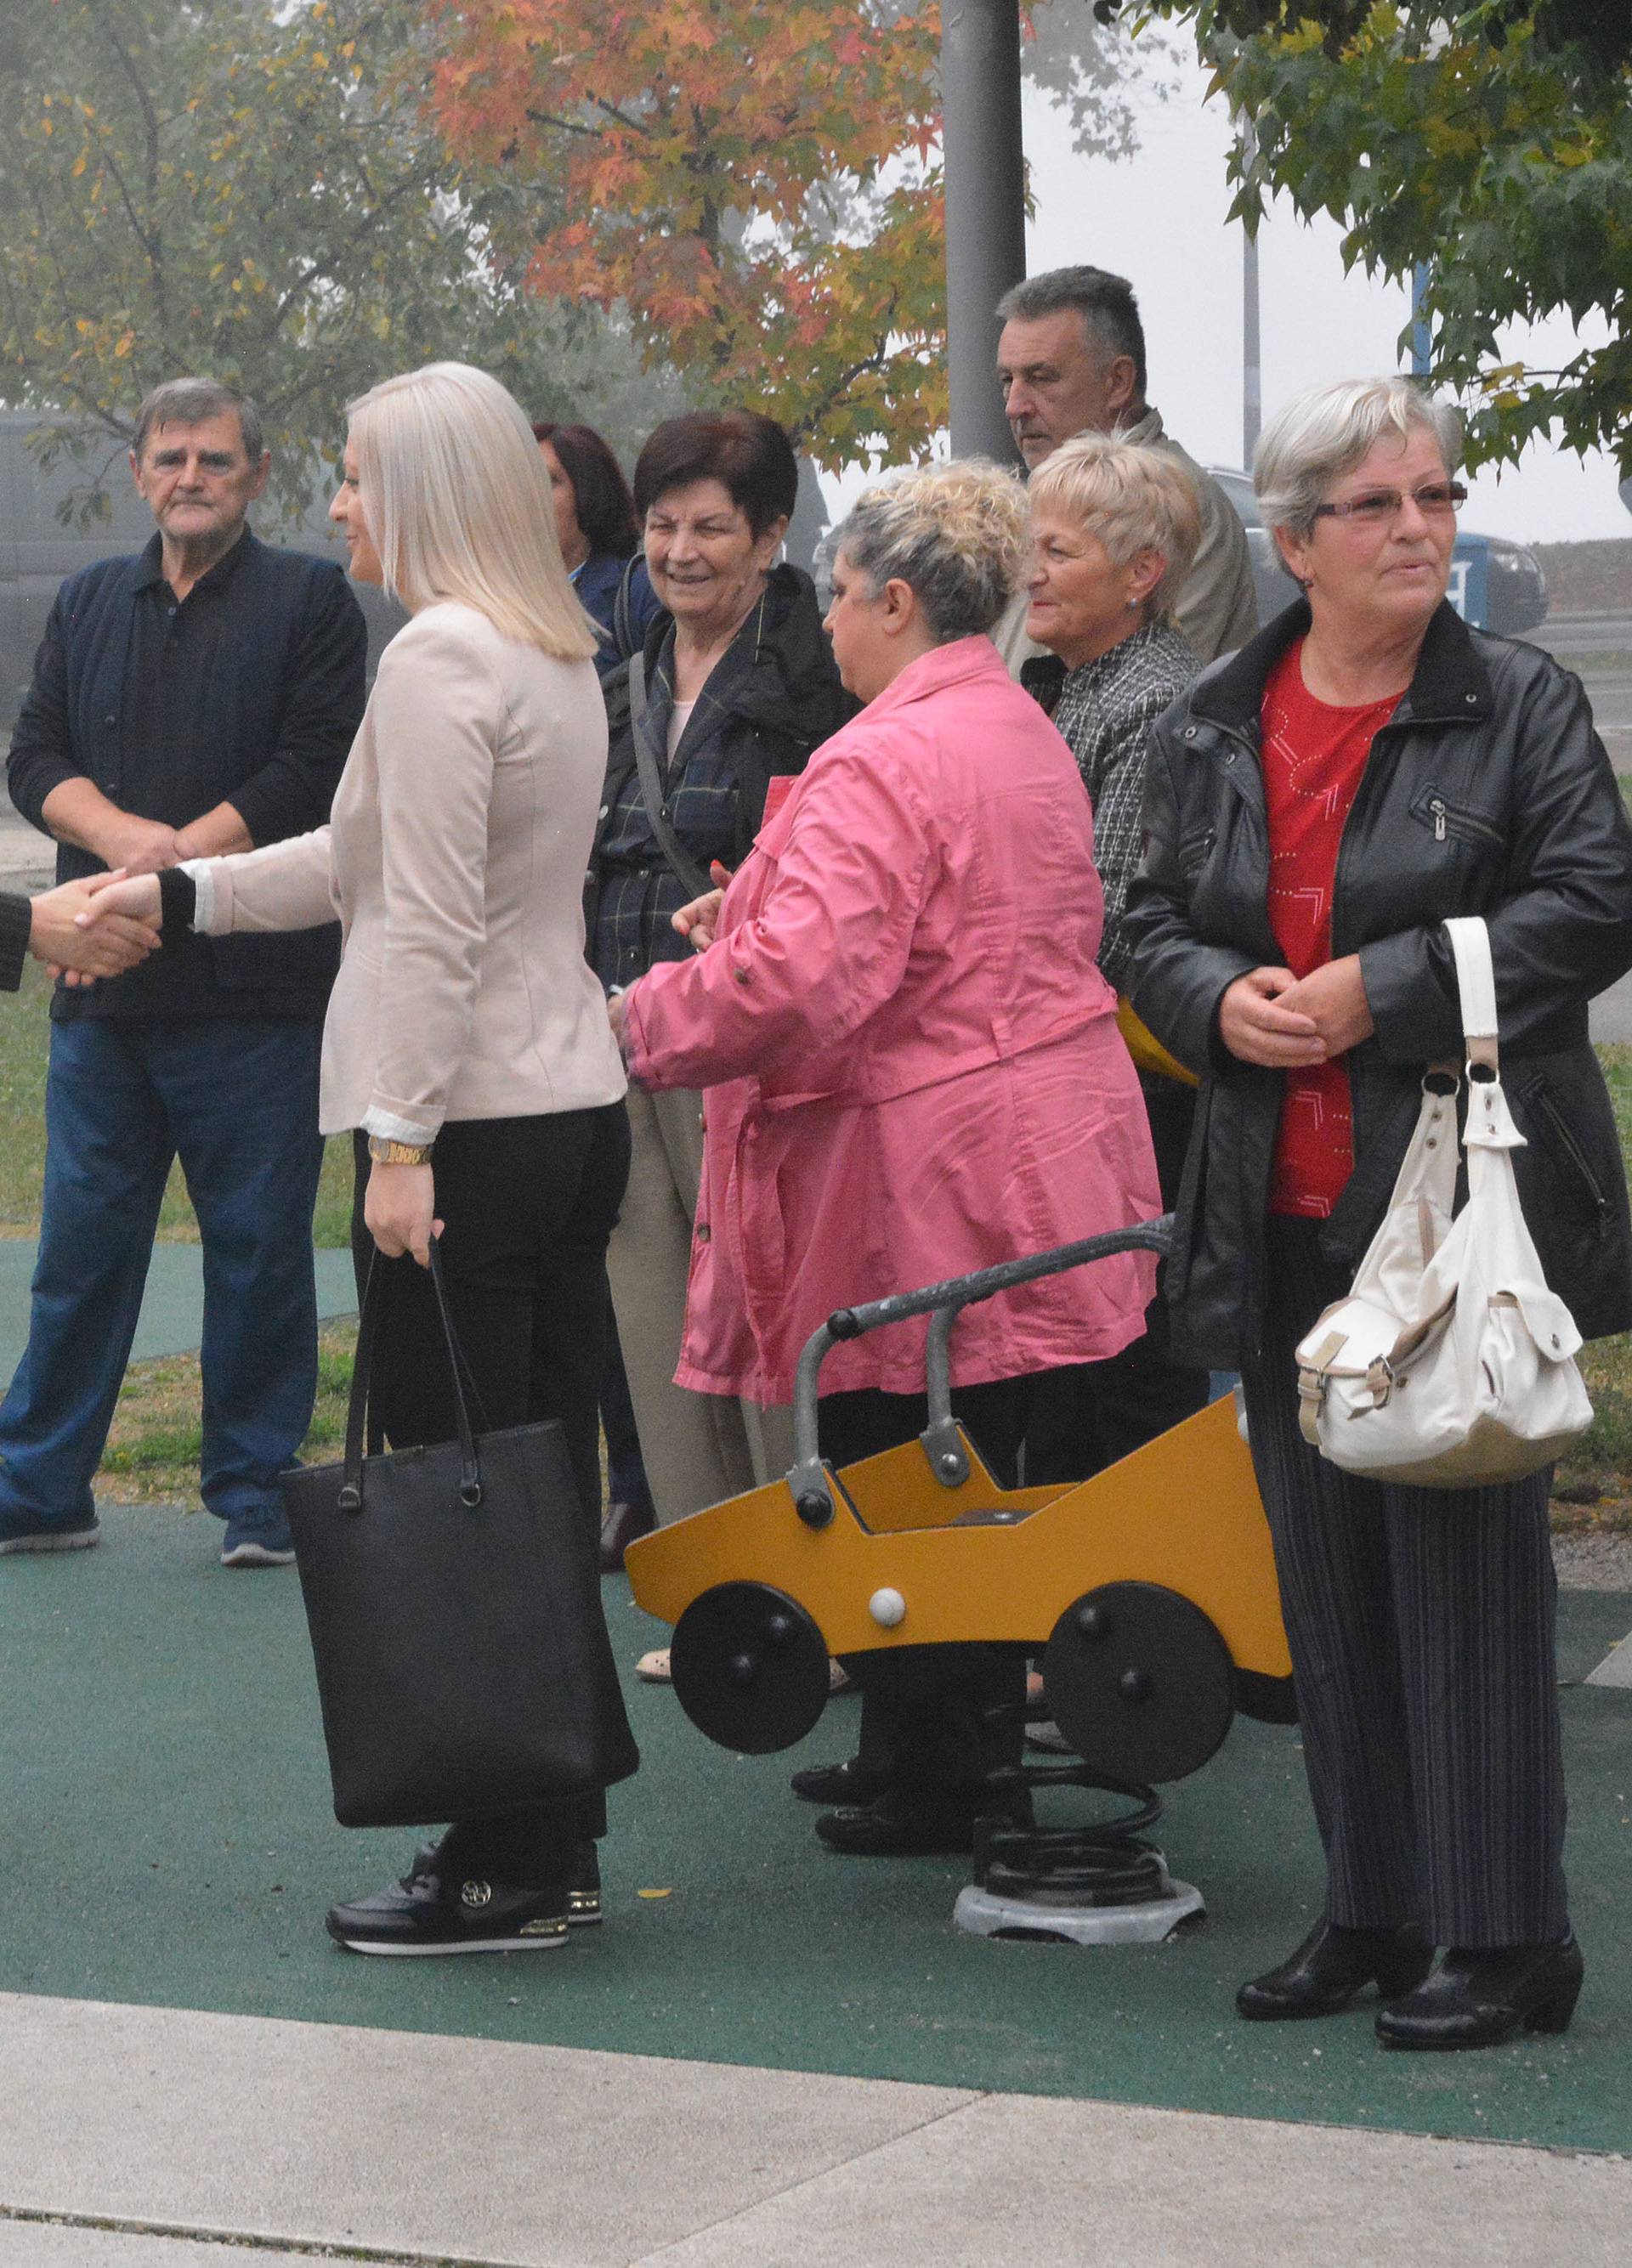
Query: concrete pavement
(156, 2137)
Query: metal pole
(1251, 355)
(1422, 337)
(1251, 345)
(986, 236)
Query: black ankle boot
(1332, 1965)
(1477, 1999)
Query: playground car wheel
(749, 1667)
(1140, 1682)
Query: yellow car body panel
(1183, 1511)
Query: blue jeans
(237, 1102)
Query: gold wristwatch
(398, 1153)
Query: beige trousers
(698, 1448)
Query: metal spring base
(1103, 1883)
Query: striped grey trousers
(1420, 1624)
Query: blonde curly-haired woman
(916, 1070)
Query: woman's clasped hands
(1282, 1022)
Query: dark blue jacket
(276, 703)
(596, 584)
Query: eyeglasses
(1381, 507)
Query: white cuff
(204, 882)
(389, 1128)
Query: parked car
(1494, 585)
(38, 548)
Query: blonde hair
(1318, 436)
(1133, 499)
(955, 534)
(457, 500)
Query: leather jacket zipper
(1571, 1148)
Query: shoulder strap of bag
(685, 869)
(623, 610)
(1476, 984)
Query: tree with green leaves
(249, 188)
(1487, 142)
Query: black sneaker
(429, 1913)
(583, 1894)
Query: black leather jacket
(1487, 792)
(777, 712)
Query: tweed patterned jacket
(1104, 711)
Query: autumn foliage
(757, 179)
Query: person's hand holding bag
(399, 1209)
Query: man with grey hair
(1071, 360)
(197, 699)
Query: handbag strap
(685, 869)
(623, 610)
(1476, 986)
(357, 1413)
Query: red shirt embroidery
(1313, 755)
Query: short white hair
(457, 500)
(1318, 436)
(1132, 499)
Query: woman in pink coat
(914, 1070)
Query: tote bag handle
(350, 1495)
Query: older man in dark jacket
(197, 699)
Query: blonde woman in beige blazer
(467, 1045)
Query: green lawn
(24, 1030)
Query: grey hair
(1105, 303)
(1318, 436)
(193, 402)
(955, 534)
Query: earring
(1132, 606)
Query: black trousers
(1089, 1415)
(925, 1717)
(1420, 1622)
(528, 1205)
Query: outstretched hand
(695, 922)
(135, 895)
(80, 944)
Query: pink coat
(912, 1062)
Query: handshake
(97, 927)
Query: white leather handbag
(1451, 1363)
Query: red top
(1313, 757)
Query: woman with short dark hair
(732, 689)
(599, 536)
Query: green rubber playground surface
(168, 1841)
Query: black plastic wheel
(1140, 1682)
(749, 1667)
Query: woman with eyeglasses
(1316, 805)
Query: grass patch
(153, 1449)
(24, 1041)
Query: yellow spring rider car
(1149, 1591)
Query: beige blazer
(454, 859)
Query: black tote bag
(453, 1600)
